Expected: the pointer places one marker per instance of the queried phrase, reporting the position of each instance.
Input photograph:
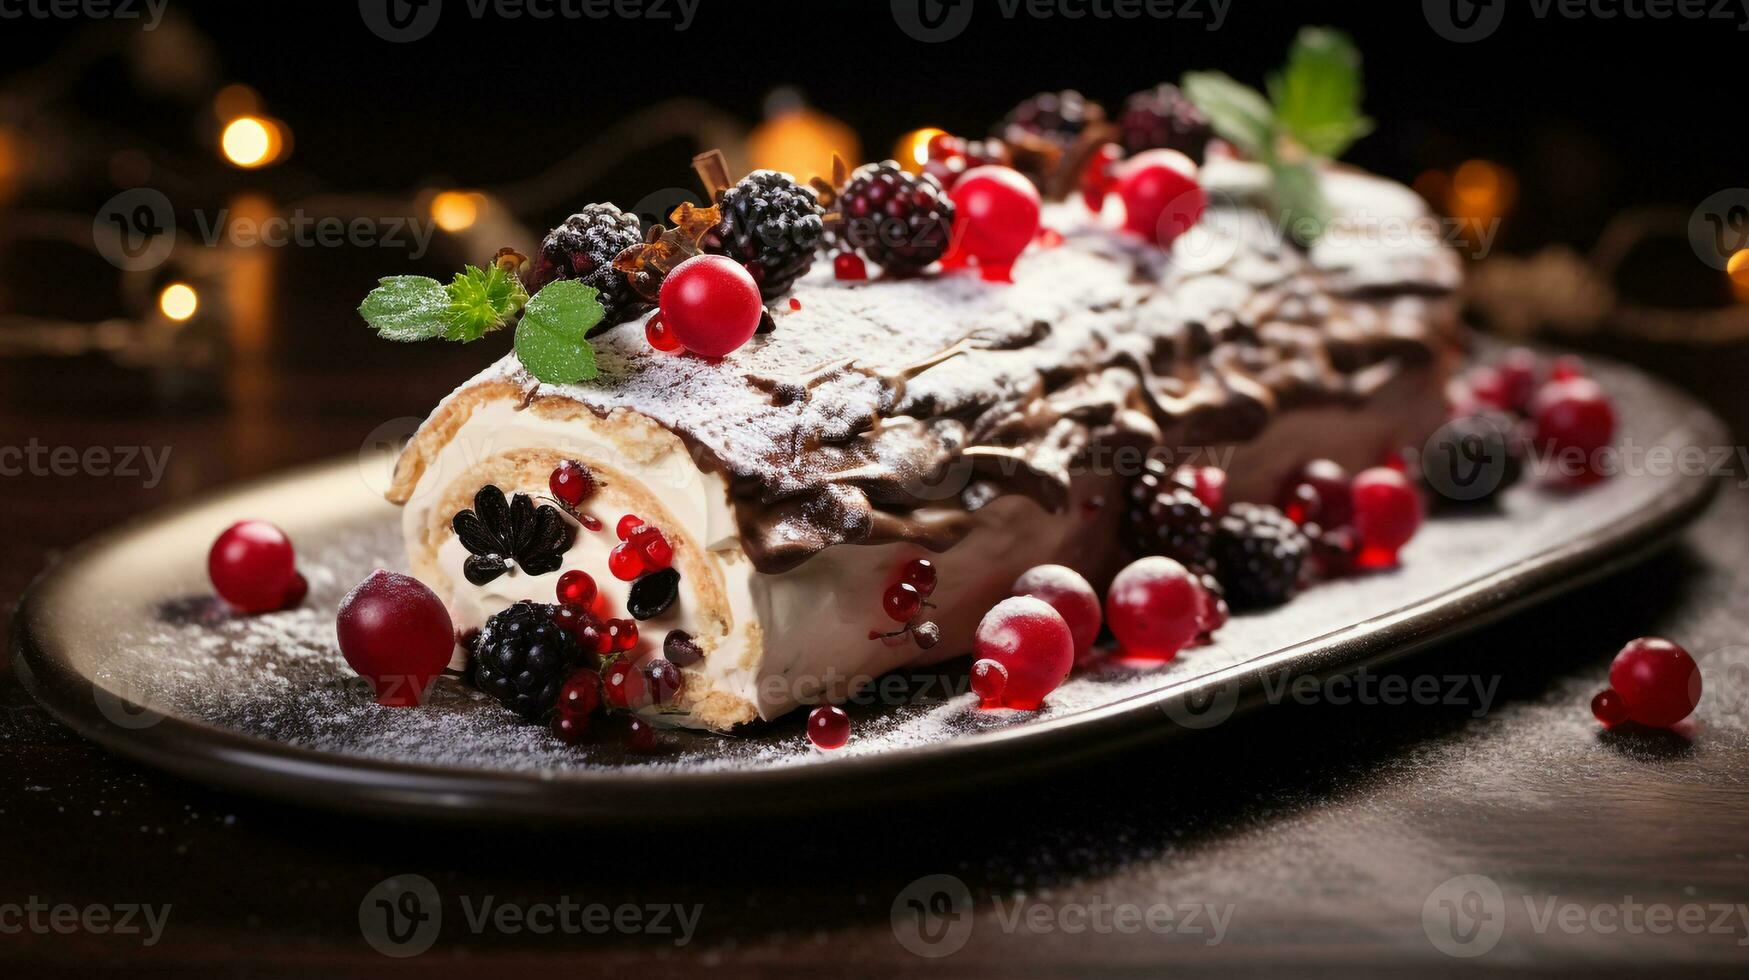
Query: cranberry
(641, 735)
(650, 543)
(396, 633)
(1097, 177)
(711, 304)
(1332, 502)
(1387, 512)
(996, 215)
(828, 727)
(1657, 680)
(1573, 420)
(571, 482)
(662, 680)
(659, 336)
(1208, 483)
(296, 592)
(1069, 594)
(902, 601)
(1032, 642)
(1518, 372)
(571, 729)
(849, 267)
(581, 695)
(625, 562)
(1567, 367)
(1161, 196)
(252, 566)
(989, 679)
(1608, 708)
(624, 686)
(626, 525)
(576, 587)
(920, 575)
(623, 632)
(1155, 608)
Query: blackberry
(1055, 117)
(772, 226)
(1161, 118)
(1258, 556)
(1163, 517)
(1470, 460)
(583, 248)
(898, 220)
(522, 659)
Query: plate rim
(259, 766)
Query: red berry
(625, 562)
(296, 592)
(996, 213)
(252, 566)
(659, 336)
(795, 305)
(571, 618)
(1161, 196)
(1657, 680)
(920, 575)
(592, 636)
(1332, 504)
(1608, 708)
(828, 727)
(1155, 608)
(1032, 642)
(989, 679)
(1209, 483)
(901, 602)
(571, 482)
(1049, 238)
(624, 633)
(623, 685)
(626, 525)
(571, 729)
(590, 523)
(1567, 367)
(662, 679)
(576, 587)
(849, 267)
(1213, 612)
(1387, 513)
(581, 695)
(711, 304)
(1097, 178)
(1519, 372)
(650, 543)
(641, 735)
(1573, 420)
(396, 633)
(1069, 594)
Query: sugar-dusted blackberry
(772, 226)
(1258, 555)
(1163, 517)
(583, 248)
(900, 221)
(1056, 117)
(522, 658)
(1161, 118)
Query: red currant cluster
(951, 156)
(586, 697)
(1553, 406)
(1358, 522)
(642, 549)
(254, 569)
(904, 602)
(1653, 682)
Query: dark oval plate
(122, 642)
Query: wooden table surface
(1320, 838)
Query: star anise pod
(500, 533)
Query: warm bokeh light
(912, 150)
(801, 142)
(251, 142)
(236, 101)
(455, 210)
(11, 164)
(178, 301)
(1480, 194)
(1738, 269)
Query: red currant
(1387, 513)
(1069, 594)
(828, 727)
(581, 695)
(1519, 372)
(641, 736)
(662, 679)
(1609, 710)
(920, 575)
(1161, 196)
(592, 635)
(623, 685)
(570, 618)
(1031, 641)
(571, 729)
(1097, 178)
(625, 562)
(711, 304)
(624, 633)
(1333, 503)
(659, 336)
(989, 679)
(576, 587)
(626, 525)
(1209, 483)
(1213, 612)
(649, 542)
(996, 216)
(1155, 608)
(849, 267)
(396, 633)
(252, 566)
(1657, 680)
(902, 601)
(1573, 420)
(572, 482)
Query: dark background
(1329, 821)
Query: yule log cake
(987, 426)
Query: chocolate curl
(712, 168)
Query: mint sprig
(481, 301)
(1312, 114)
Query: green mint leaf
(1239, 113)
(550, 339)
(481, 301)
(406, 308)
(1318, 95)
(1297, 195)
